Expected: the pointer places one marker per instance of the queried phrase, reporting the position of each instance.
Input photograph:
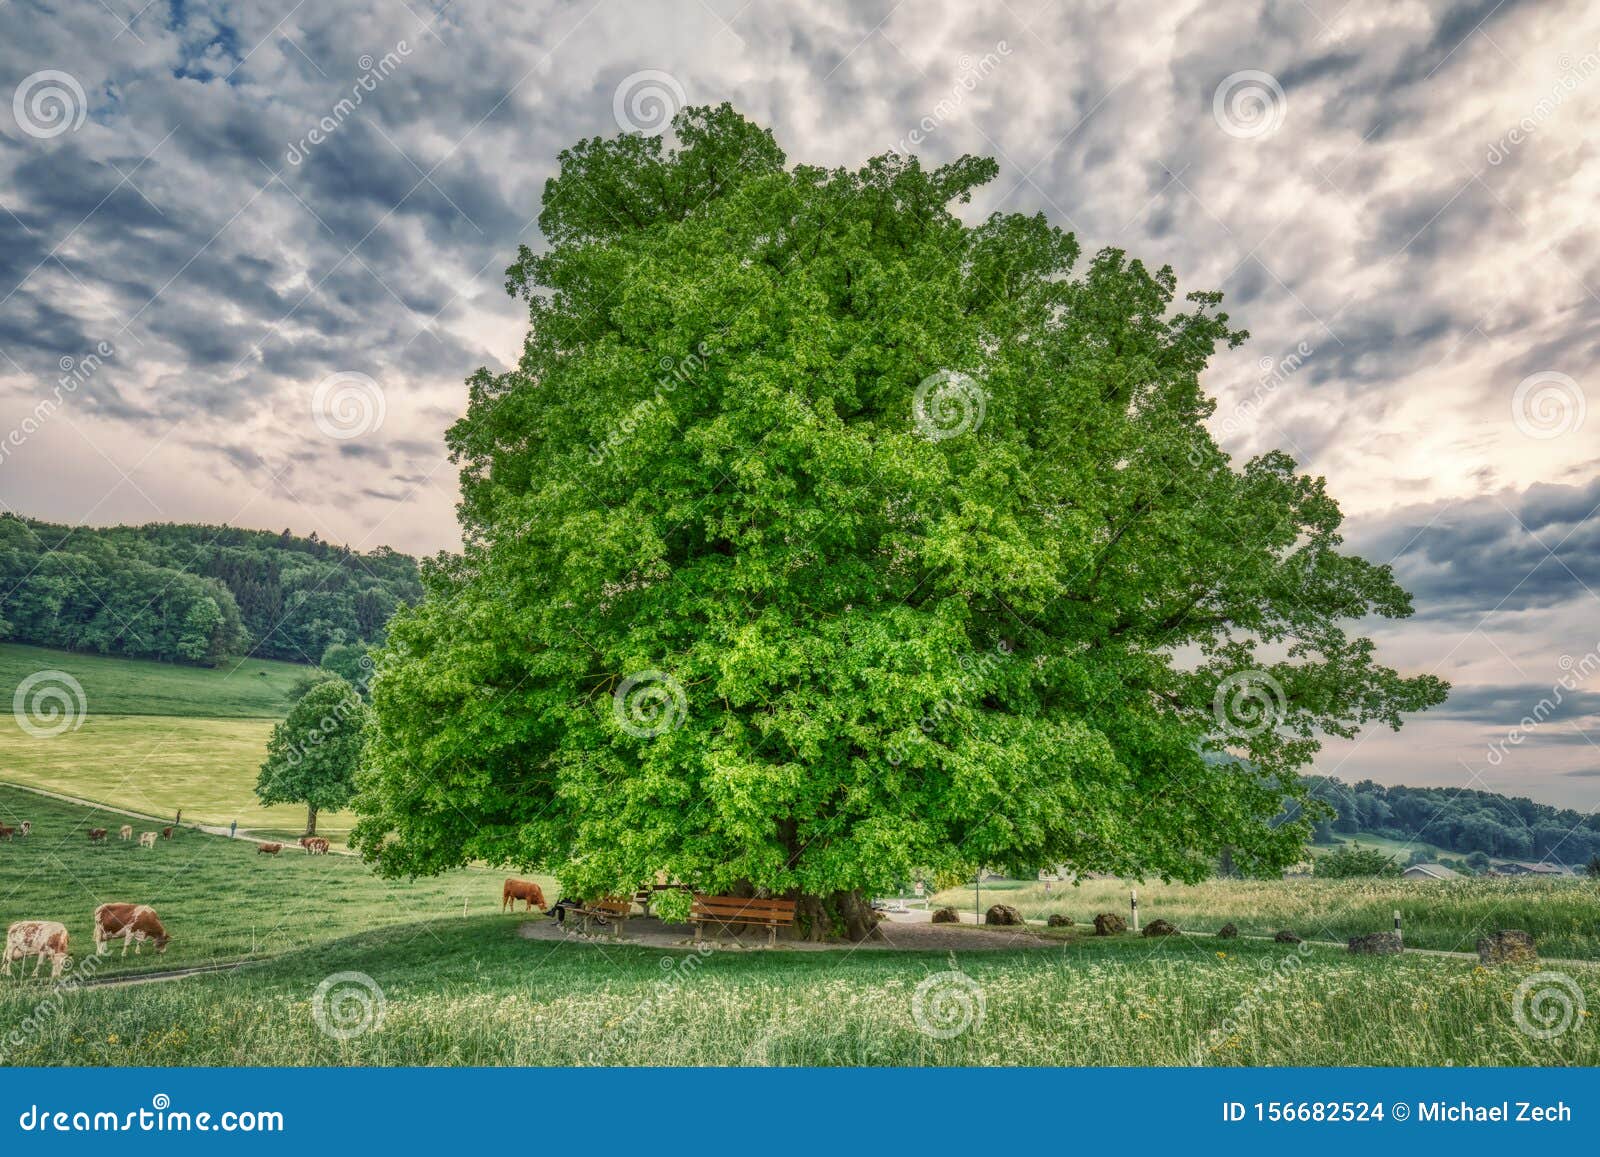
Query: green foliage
(739, 604)
(313, 755)
(1459, 820)
(1354, 860)
(193, 594)
(1592, 869)
(672, 905)
(352, 662)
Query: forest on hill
(191, 593)
(1459, 820)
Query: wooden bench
(748, 911)
(646, 894)
(606, 909)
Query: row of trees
(1462, 821)
(192, 593)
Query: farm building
(1430, 872)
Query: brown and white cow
(268, 849)
(97, 835)
(524, 890)
(135, 923)
(26, 829)
(41, 938)
(314, 845)
(147, 839)
(126, 831)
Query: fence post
(1398, 934)
(1134, 899)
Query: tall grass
(474, 993)
(1563, 915)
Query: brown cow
(314, 845)
(166, 833)
(97, 835)
(126, 831)
(135, 923)
(524, 890)
(6, 833)
(268, 849)
(41, 938)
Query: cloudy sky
(249, 252)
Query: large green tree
(819, 538)
(313, 755)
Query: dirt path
(208, 829)
(899, 934)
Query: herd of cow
(146, 839)
(135, 923)
(47, 940)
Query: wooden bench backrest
(767, 910)
(613, 907)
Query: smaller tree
(313, 755)
(350, 661)
(1593, 869)
(1354, 860)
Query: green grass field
(218, 898)
(1563, 915)
(156, 737)
(240, 689)
(469, 991)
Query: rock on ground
(1160, 928)
(1057, 920)
(1002, 914)
(1109, 924)
(1228, 931)
(1507, 946)
(946, 916)
(1287, 937)
(1377, 944)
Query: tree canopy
(820, 538)
(194, 594)
(313, 755)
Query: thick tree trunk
(846, 915)
(311, 820)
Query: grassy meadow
(1450, 915)
(157, 737)
(217, 897)
(472, 992)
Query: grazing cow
(147, 840)
(166, 833)
(135, 923)
(314, 845)
(26, 829)
(126, 831)
(524, 890)
(268, 849)
(6, 833)
(41, 938)
(97, 835)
